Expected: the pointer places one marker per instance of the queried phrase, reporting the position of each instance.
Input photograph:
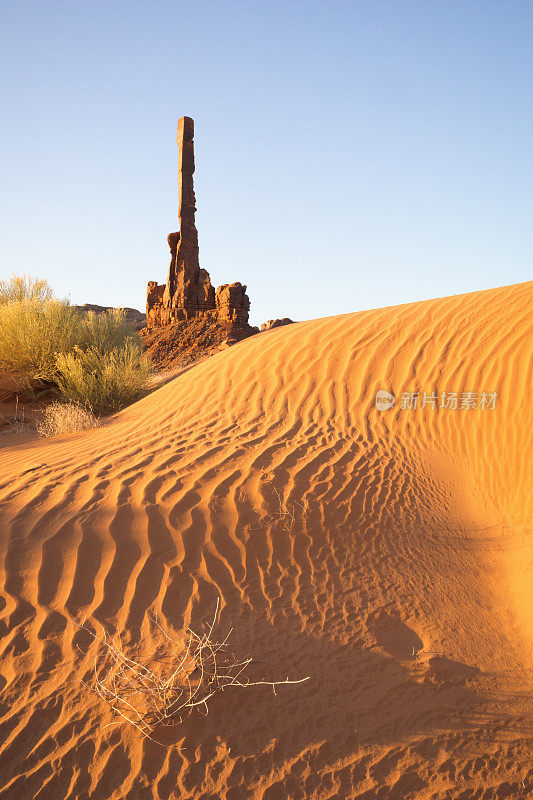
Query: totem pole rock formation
(188, 290)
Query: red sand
(403, 586)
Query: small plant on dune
(197, 670)
(60, 418)
(16, 421)
(284, 516)
(103, 380)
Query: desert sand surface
(385, 554)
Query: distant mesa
(188, 291)
(276, 323)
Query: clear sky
(349, 155)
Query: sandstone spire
(184, 268)
(188, 290)
(187, 254)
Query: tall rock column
(188, 290)
(187, 252)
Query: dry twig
(284, 515)
(198, 670)
(17, 421)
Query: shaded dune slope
(387, 554)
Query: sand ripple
(385, 553)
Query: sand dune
(387, 554)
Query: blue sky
(349, 155)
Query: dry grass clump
(59, 418)
(196, 671)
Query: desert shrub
(24, 287)
(95, 360)
(107, 331)
(103, 380)
(59, 418)
(32, 333)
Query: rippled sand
(387, 554)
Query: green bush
(106, 331)
(103, 381)
(24, 287)
(94, 360)
(32, 333)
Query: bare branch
(145, 697)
